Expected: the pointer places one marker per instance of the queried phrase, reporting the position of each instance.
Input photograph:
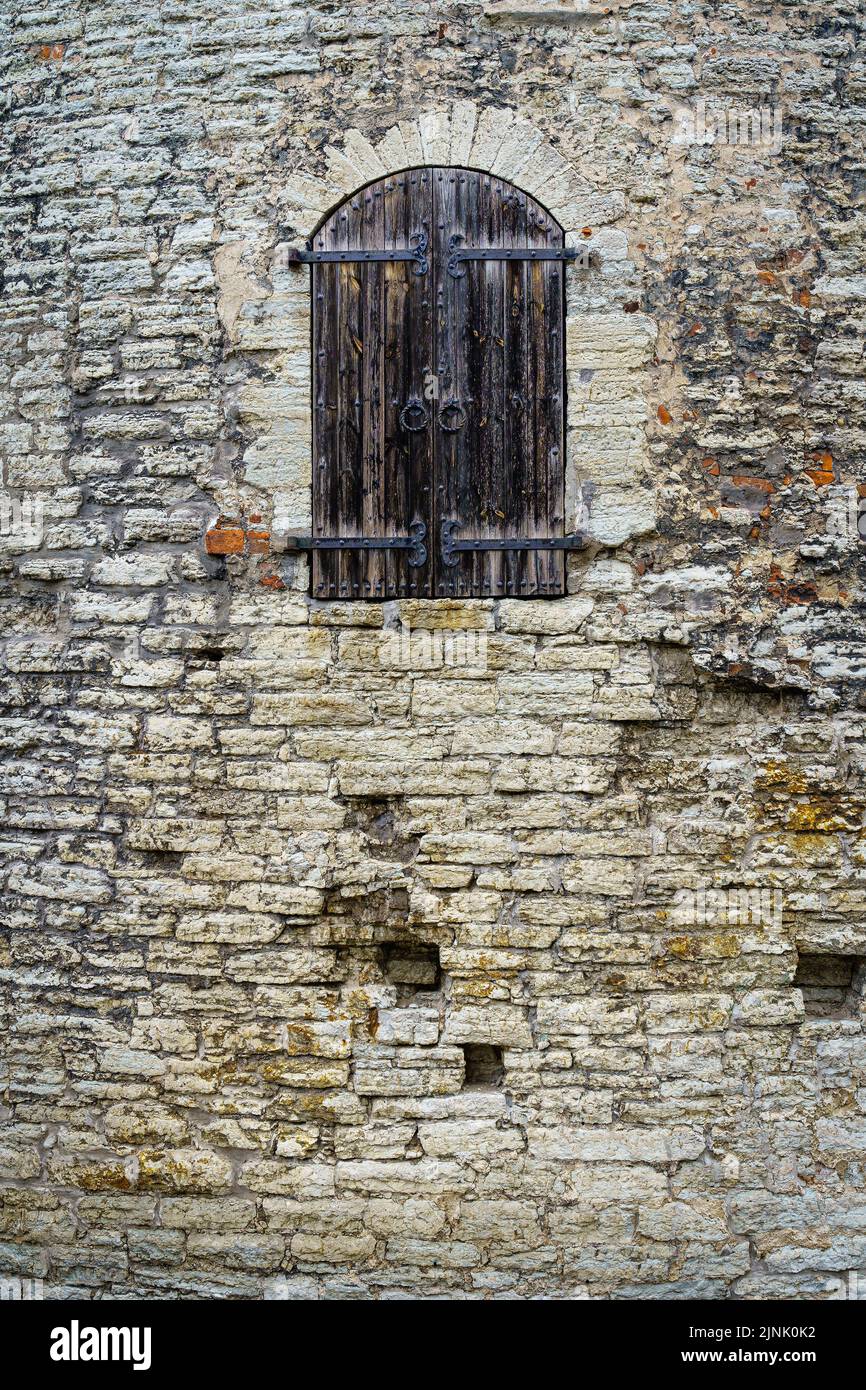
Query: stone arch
(494, 140)
(607, 349)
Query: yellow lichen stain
(481, 989)
(159, 1170)
(97, 1177)
(781, 776)
(806, 846)
(311, 1105)
(490, 966)
(713, 945)
(683, 947)
(302, 1041)
(825, 815)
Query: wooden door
(438, 390)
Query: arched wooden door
(438, 392)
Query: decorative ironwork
(452, 407)
(451, 547)
(413, 543)
(458, 255)
(417, 252)
(413, 406)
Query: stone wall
(419, 949)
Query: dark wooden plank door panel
(409, 370)
(372, 346)
(499, 330)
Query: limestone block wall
(474, 949)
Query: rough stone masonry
(334, 968)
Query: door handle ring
(452, 405)
(416, 408)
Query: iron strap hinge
(458, 254)
(451, 546)
(417, 252)
(413, 543)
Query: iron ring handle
(452, 404)
(413, 406)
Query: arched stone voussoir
(494, 139)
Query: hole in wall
(412, 967)
(376, 818)
(387, 907)
(382, 823)
(832, 985)
(485, 1069)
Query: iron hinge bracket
(417, 252)
(413, 543)
(458, 255)
(451, 547)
